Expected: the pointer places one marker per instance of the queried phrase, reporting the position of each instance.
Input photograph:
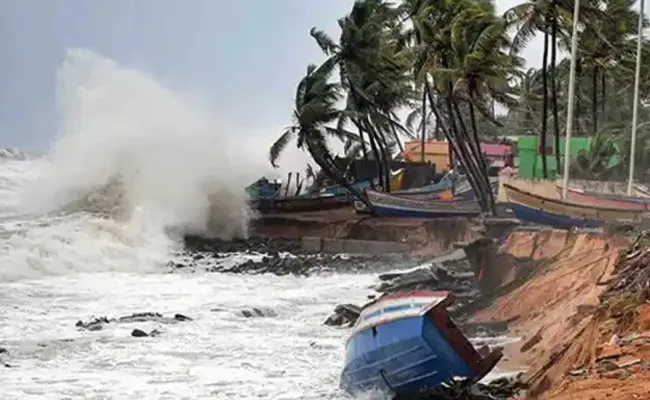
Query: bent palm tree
(314, 109)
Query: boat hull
(387, 205)
(539, 217)
(607, 200)
(406, 355)
(408, 344)
(301, 204)
(543, 210)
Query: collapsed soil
(583, 317)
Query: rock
(344, 314)
(257, 312)
(99, 323)
(579, 372)
(204, 253)
(154, 333)
(503, 388)
(627, 361)
(139, 333)
(181, 317)
(3, 350)
(95, 324)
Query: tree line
(451, 64)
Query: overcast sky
(241, 55)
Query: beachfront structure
(437, 152)
(529, 155)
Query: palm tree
(373, 73)
(315, 109)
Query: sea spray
(132, 162)
(127, 142)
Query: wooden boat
(301, 203)
(387, 205)
(608, 200)
(558, 213)
(404, 343)
(464, 193)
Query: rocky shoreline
(452, 271)
(278, 256)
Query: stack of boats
(588, 204)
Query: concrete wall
(323, 245)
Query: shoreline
(525, 292)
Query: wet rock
(97, 324)
(484, 329)
(256, 312)
(504, 388)
(344, 315)
(579, 372)
(139, 333)
(278, 256)
(257, 244)
(181, 317)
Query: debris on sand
(499, 389)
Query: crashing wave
(12, 154)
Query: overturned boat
(406, 343)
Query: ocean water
(85, 232)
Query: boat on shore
(301, 203)
(545, 210)
(406, 342)
(388, 205)
(608, 199)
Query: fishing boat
(388, 205)
(545, 210)
(406, 342)
(608, 200)
(301, 203)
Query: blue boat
(562, 214)
(405, 343)
(388, 205)
(263, 189)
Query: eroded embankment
(423, 236)
(564, 325)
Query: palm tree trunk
(476, 157)
(364, 150)
(542, 136)
(383, 147)
(450, 133)
(424, 122)
(394, 131)
(461, 141)
(328, 167)
(556, 119)
(576, 124)
(602, 95)
(380, 152)
(594, 100)
(482, 163)
(376, 156)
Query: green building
(530, 159)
